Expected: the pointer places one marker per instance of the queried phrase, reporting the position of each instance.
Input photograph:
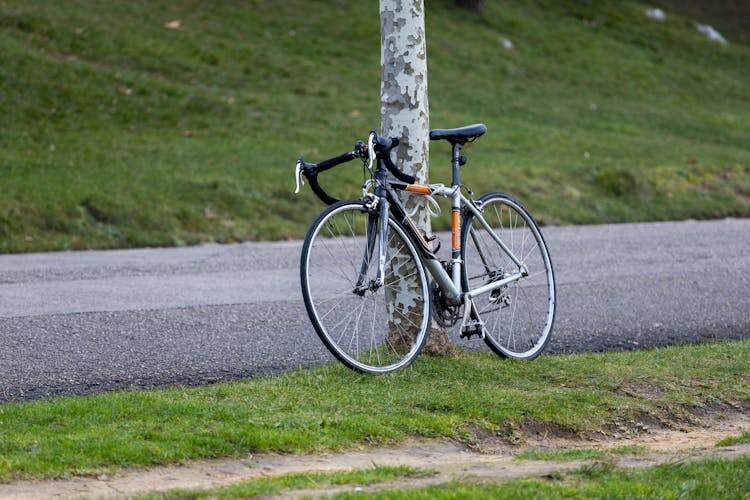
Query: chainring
(445, 315)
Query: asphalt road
(83, 322)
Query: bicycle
(371, 288)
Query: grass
(735, 440)
(711, 478)
(467, 397)
(119, 131)
(270, 486)
(707, 478)
(568, 454)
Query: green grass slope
(117, 130)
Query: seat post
(456, 163)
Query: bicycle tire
(375, 330)
(518, 318)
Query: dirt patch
(642, 390)
(495, 459)
(701, 432)
(661, 440)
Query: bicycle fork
(381, 231)
(382, 240)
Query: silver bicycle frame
(450, 285)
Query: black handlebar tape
(397, 173)
(312, 177)
(338, 160)
(384, 146)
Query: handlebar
(333, 162)
(392, 168)
(377, 148)
(311, 170)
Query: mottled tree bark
(404, 114)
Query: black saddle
(460, 135)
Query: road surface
(83, 322)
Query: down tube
(451, 291)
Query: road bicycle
(372, 282)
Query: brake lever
(371, 148)
(298, 176)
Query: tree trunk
(404, 114)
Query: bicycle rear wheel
(369, 328)
(517, 317)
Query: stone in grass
(656, 14)
(710, 33)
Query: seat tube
(456, 218)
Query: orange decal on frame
(456, 229)
(418, 188)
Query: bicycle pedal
(471, 329)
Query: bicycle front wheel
(518, 316)
(369, 328)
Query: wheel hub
(373, 287)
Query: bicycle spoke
(347, 319)
(338, 269)
(391, 284)
(332, 308)
(373, 347)
(405, 318)
(343, 295)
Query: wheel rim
(517, 318)
(379, 329)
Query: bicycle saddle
(460, 135)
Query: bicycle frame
(373, 283)
(450, 285)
